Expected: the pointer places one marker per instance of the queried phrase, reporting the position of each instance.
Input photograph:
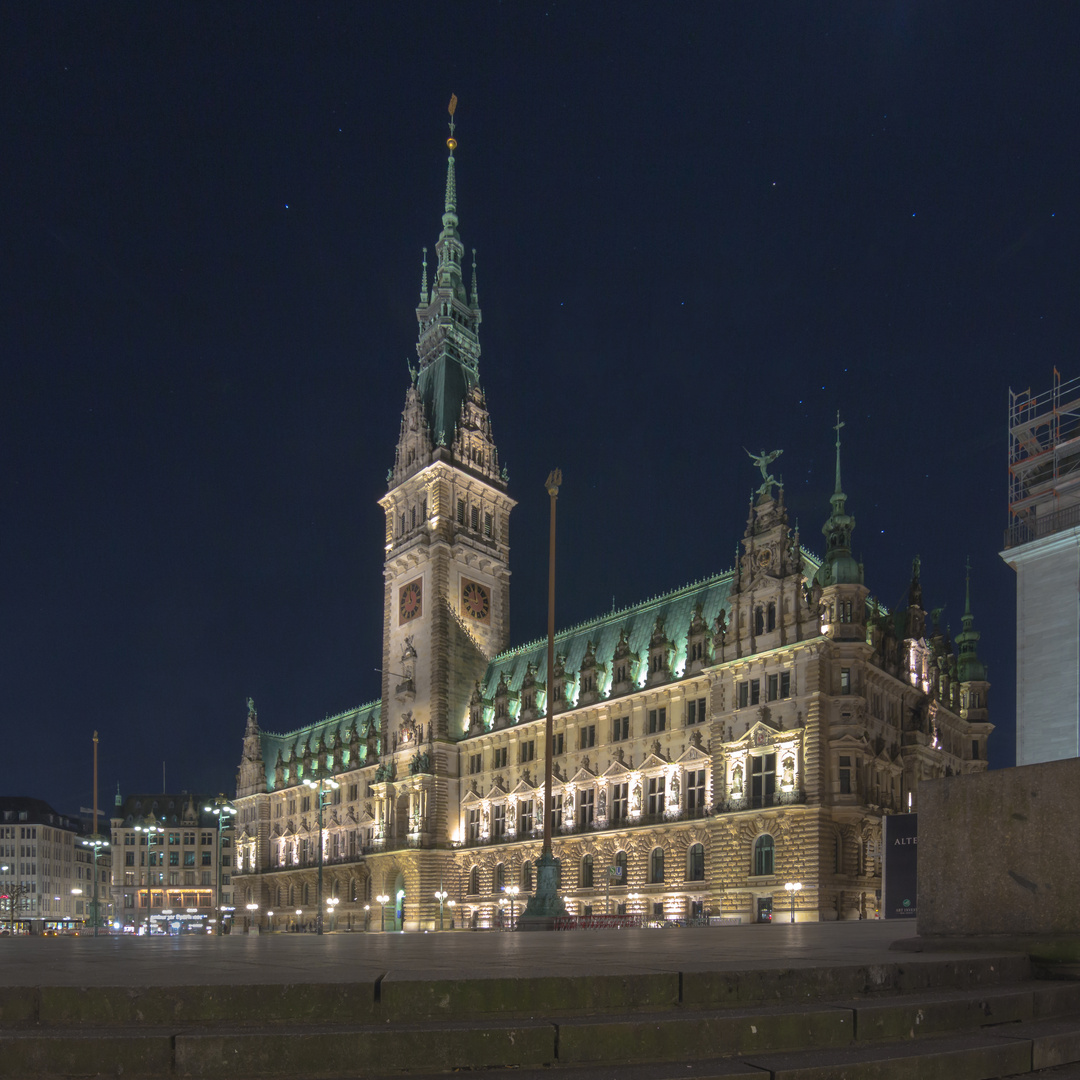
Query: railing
(736, 803)
(1034, 527)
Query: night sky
(701, 227)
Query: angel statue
(763, 461)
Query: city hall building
(711, 745)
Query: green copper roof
(838, 566)
(969, 667)
(293, 744)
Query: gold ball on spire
(452, 143)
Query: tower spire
(839, 568)
(969, 666)
(424, 294)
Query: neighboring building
(169, 863)
(49, 878)
(1042, 544)
(711, 744)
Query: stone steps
(955, 1019)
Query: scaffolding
(1044, 461)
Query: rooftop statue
(763, 461)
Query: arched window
(695, 863)
(656, 866)
(292, 896)
(279, 896)
(354, 893)
(307, 894)
(763, 855)
(474, 881)
(526, 877)
(620, 867)
(500, 877)
(587, 872)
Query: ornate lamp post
(321, 788)
(512, 891)
(450, 905)
(792, 888)
(441, 895)
(224, 811)
(95, 843)
(331, 909)
(152, 830)
(399, 905)
(544, 905)
(382, 900)
(299, 912)
(252, 908)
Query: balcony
(737, 803)
(1035, 527)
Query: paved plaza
(345, 957)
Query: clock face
(476, 601)
(410, 601)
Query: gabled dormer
(661, 649)
(699, 639)
(624, 665)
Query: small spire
(451, 182)
(839, 424)
(424, 294)
(967, 591)
(475, 298)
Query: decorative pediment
(759, 734)
(617, 770)
(693, 754)
(582, 776)
(497, 789)
(365, 818)
(522, 788)
(471, 798)
(654, 761)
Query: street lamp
(792, 888)
(367, 917)
(299, 912)
(270, 922)
(331, 909)
(321, 788)
(400, 906)
(382, 900)
(252, 908)
(96, 843)
(224, 811)
(450, 905)
(152, 829)
(512, 891)
(441, 895)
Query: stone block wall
(998, 852)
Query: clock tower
(447, 542)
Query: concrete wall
(1047, 647)
(999, 852)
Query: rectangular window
(557, 745)
(525, 817)
(473, 830)
(474, 518)
(755, 691)
(499, 757)
(461, 511)
(762, 779)
(586, 807)
(620, 728)
(695, 711)
(556, 812)
(305, 803)
(845, 774)
(785, 684)
(174, 858)
(744, 695)
(845, 680)
(587, 737)
(772, 687)
(528, 751)
(207, 858)
(657, 720)
(695, 789)
(657, 785)
(974, 749)
(619, 794)
(487, 525)
(189, 858)
(498, 821)
(475, 763)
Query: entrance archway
(398, 900)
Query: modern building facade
(1042, 544)
(171, 864)
(711, 745)
(47, 878)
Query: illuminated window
(587, 872)
(619, 801)
(763, 856)
(656, 866)
(695, 863)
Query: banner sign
(900, 866)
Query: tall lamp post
(512, 891)
(331, 910)
(792, 888)
(152, 830)
(441, 895)
(224, 811)
(321, 788)
(544, 905)
(95, 843)
(382, 899)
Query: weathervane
(452, 142)
(763, 461)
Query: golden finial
(452, 142)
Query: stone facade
(710, 745)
